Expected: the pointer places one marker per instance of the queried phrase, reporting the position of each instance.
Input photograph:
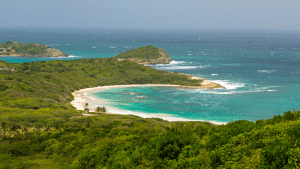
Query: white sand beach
(83, 96)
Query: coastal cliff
(29, 50)
(147, 55)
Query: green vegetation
(147, 52)
(101, 109)
(24, 48)
(40, 129)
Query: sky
(175, 14)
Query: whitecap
(229, 85)
(204, 66)
(215, 74)
(72, 56)
(263, 88)
(94, 47)
(266, 71)
(267, 87)
(179, 67)
(206, 91)
(174, 62)
(189, 54)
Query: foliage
(147, 52)
(40, 129)
(25, 48)
(101, 109)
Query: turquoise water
(260, 69)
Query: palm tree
(86, 107)
(98, 109)
(104, 109)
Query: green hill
(149, 55)
(40, 129)
(29, 50)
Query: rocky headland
(29, 50)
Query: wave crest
(266, 71)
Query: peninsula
(147, 55)
(29, 50)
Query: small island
(147, 55)
(29, 50)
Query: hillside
(147, 55)
(29, 50)
(40, 129)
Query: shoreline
(83, 96)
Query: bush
(3, 87)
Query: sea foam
(229, 85)
(266, 71)
(174, 62)
(178, 67)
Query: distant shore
(83, 96)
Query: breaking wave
(266, 71)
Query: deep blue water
(259, 68)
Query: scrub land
(29, 50)
(41, 129)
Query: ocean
(259, 68)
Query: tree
(98, 109)
(86, 108)
(104, 110)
